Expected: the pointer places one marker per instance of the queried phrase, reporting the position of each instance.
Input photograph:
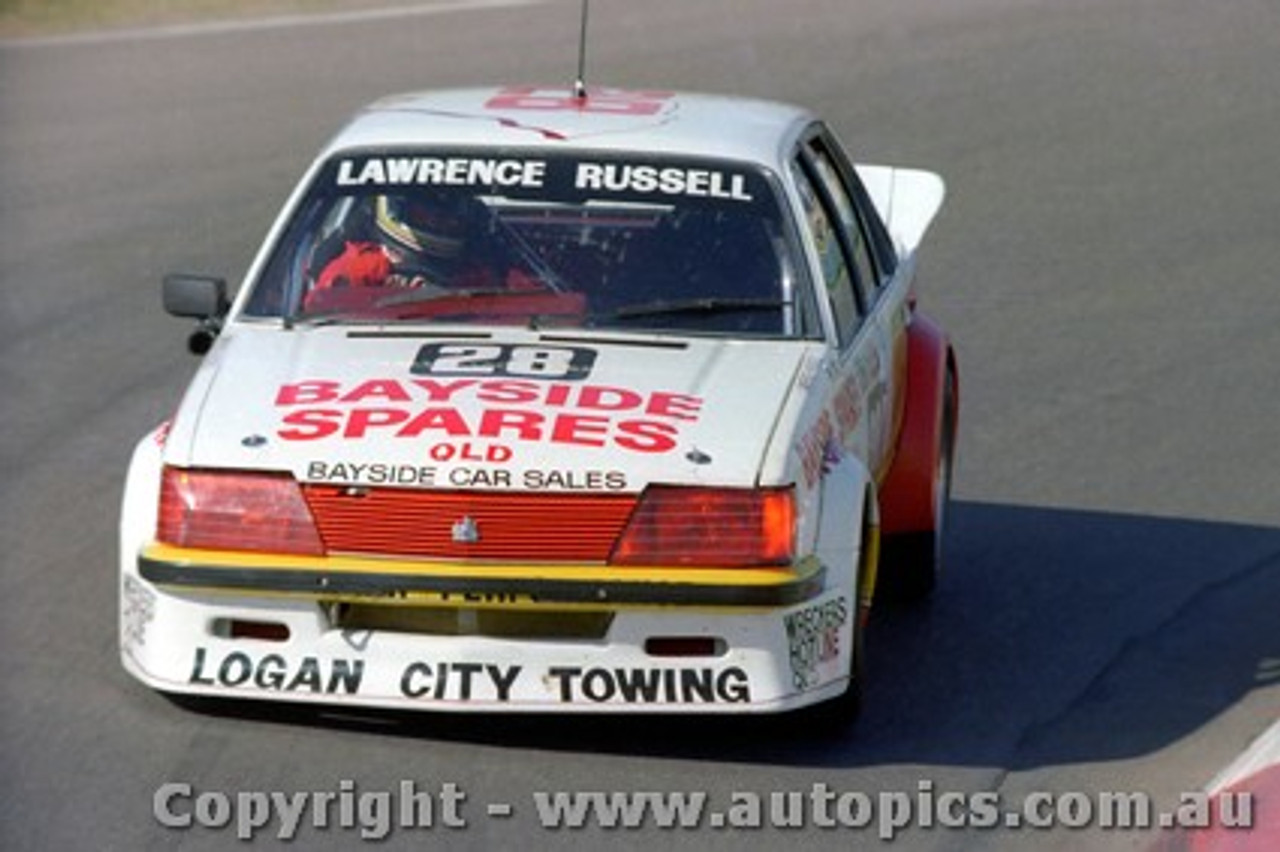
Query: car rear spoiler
(907, 199)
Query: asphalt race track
(1106, 263)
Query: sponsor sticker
(813, 639)
(560, 177)
(452, 409)
(138, 609)
(440, 171)
(476, 680)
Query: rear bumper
(766, 655)
(547, 584)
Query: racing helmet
(433, 227)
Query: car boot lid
(512, 409)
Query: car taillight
(709, 527)
(236, 510)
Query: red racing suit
(369, 264)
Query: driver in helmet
(418, 242)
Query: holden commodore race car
(551, 401)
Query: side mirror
(199, 297)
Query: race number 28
(526, 362)
(612, 101)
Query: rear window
(557, 241)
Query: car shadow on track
(1055, 636)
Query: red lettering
(680, 406)
(441, 391)
(527, 424)
(496, 453)
(446, 419)
(311, 423)
(580, 429)
(608, 399)
(364, 419)
(388, 389)
(510, 392)
(305, 392)
(646, 436)
(619, 101)
(813, 448)
(557, 394)
(845, 404)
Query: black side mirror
(199, 297)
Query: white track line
(269, 23)
(1263, 752)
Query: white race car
(536, 400)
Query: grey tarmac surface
(1106, 264)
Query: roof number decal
(599, 100)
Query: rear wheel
(914, 560)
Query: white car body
(500, 450)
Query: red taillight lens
(236, 510)
(711, 527)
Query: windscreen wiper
(705, 305)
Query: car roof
(611, 120)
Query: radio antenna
(580, 84)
